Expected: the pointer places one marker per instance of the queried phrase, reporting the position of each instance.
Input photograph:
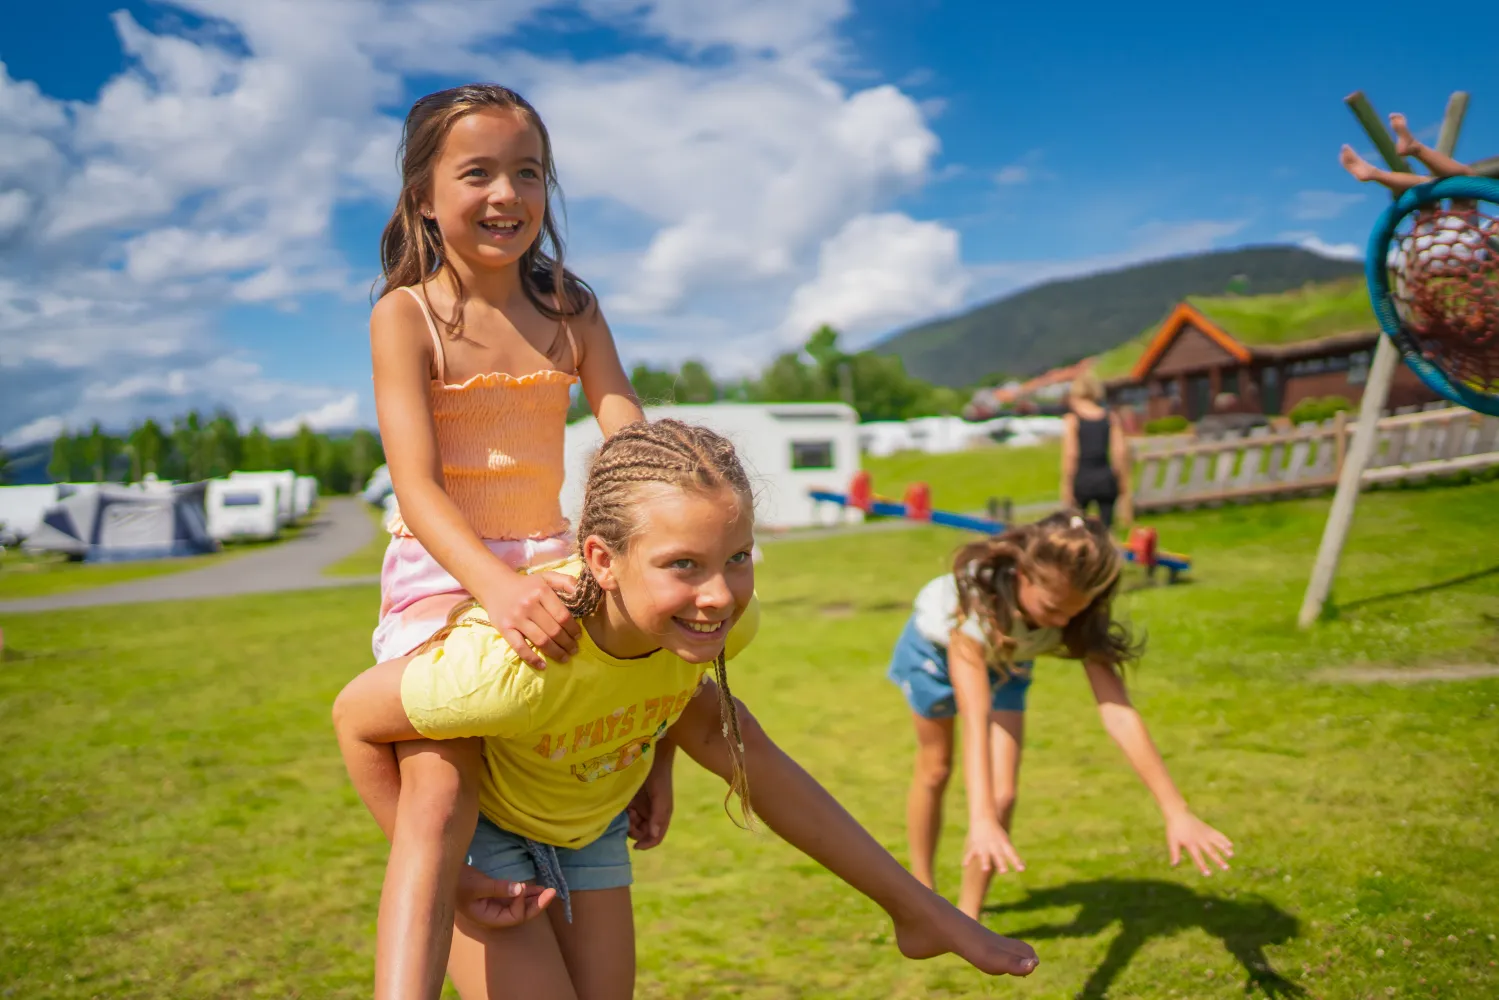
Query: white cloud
(40, 429)
(1023, 171)
(338, 413)
(1316, 206)
(1314, 243)
(15, 206)
(879, 271)
(784, 26)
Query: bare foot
(1405, 143)
(942, 930)
(1356, 164)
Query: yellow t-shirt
(566, 748)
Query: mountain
(1065, 321)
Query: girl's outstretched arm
(610, 394)
(1184, 831)
(988, 845)
(525, 609)
(795, 806)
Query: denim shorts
(602, 864)
(919, 668)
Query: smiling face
(488, 192)
(685, 577)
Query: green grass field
(26, 575)
(178, 823)
(964, 481)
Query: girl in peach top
(478, 337)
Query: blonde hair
(1067, 547)
(411, 250)
(1086, 386)
(663, 453)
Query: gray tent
(114, 523)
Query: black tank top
(1095, 475)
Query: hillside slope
(1063, 321)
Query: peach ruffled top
(500, 438)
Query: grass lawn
(25, 574)
(964, 481)
(180, 826)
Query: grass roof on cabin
(1309, 313)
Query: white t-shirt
(936, 616)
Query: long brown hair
(1066, 547)
(411, 250)
(661, 453)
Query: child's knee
(439, 781)
(933, 768)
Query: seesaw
(1140, 549)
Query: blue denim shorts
(602, 864)
(919, 668)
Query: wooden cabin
(1193, 367)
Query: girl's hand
(989, 847)
(1201, 841)
(650, 810)
(528, 613)
(493, 902)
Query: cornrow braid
(673, 455)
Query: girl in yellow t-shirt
(665, 589)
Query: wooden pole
(1376, 388)
(1378, 134)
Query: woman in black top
(1095, 458)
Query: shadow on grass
(1429, 588)
(1150, 908)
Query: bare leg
(1439, 163)
(1366, 171)
(599, 945)
(517, 963)
(1006, 736)
(924, 800)
(434, 825)
(806, 816)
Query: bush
(1167, 425)
(1314, 410)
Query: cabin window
(1229, 382)
(811, 454)
(1358, 368)
(241, 500)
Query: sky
(191, 192)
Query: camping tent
(242, 508)
(115, 522)
(378, 488)
(787, 449)
(22, 507)
(286, 490)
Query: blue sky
(192, 192)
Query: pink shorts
(416, 593)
